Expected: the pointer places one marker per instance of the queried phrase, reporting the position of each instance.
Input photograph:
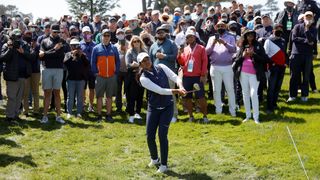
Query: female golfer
(160, 106)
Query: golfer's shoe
(162, 169)
(245, 120)
(155, 162)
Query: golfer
(160, 106)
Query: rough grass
(223, 149)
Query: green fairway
(223, 149)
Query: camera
(16, 44)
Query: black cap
(55, 28)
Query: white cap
(86, 29)
(74, 41)
(154, 12)
(141, 56)
(177, 9)
(190, 32)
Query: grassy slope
(223, 149)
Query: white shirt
(151, 86)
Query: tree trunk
(144, 8)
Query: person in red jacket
(194, 66)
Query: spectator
(96, 24)
(113, 29)
(288, 18)
(87, 46)
(304, 36)
(194, 67)
(249, 68)
(16, 55)
(134, 26)
(32, 80)
(160, 106)
(105, 64)
(122, 76)
(134, 90)
(85, 22)
(220, 49)
(52, 54)
(164, 51)
(155, 22)
(77, 66)
(275, 48)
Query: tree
(92, 7)
(271, 6)
(159, 4)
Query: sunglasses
(137, 41)
(220, 26)
(160, 32)
(55, 32)
(106, 35)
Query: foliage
(80, 7)
(12, 10)
(159, 4)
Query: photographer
(52, 54)
(3, 39)
(77, 66)
(16, 56)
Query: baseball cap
(190, 32)
(265, 15)
(105, 31)
(47, 25)
(112, 19)
(120, 30)
(72, 27)
(15, 32)
(74, 41)
(308, 13)
(86, 29)
(177, 9)
(55, 28)
(141, 56)
(154, 12)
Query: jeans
(75, 88)
(274, 85)
(159, 118)
(250, 84)
(122, 80)
(218, 75)
(135, 96)
(300, 64)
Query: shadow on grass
(6, 160)
(8, 142)
(190, 176)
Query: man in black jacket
(52, 54)
(304, 36)
(16, 57)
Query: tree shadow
(190, 176)
(283, 109)
(231, 121)
(278, 117)
(9, 127)
(8, 142)
(6, 160)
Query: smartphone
(216, 36)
